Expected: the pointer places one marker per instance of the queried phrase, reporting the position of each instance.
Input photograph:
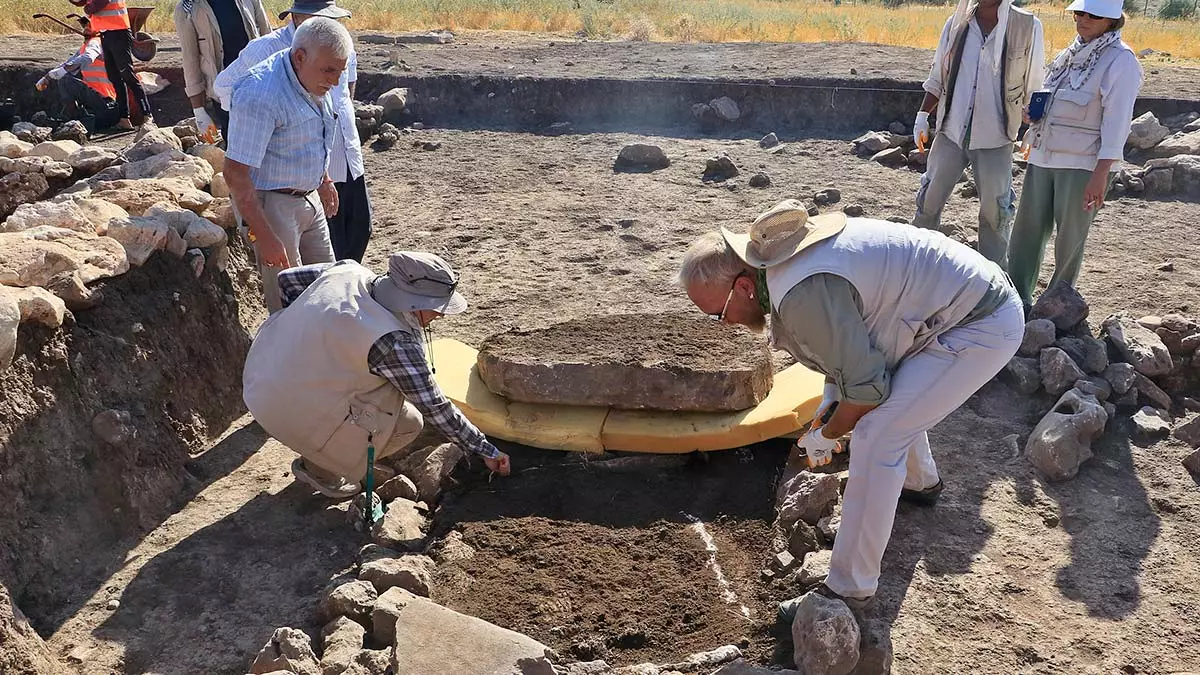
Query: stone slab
(674, 362)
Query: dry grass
(677, 20)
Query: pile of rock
(1136, 366)
(1170, 150)
(892, 148)
(717, 112)
(122, 207)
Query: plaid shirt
(399, 358)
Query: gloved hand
(818, 450)
(921, 130)
(204, 124)
(58, 73)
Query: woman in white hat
(1075, 146)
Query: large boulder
(14, 147)
(1062, 304)
(99, 212)
(288, 650)
(1181, 173)
(33, 257)
(58, 151)
(65, 215)
(805, 496)
(91, 159)
(1178, 144)
(197, 232)
(825, 636)
(1062, 441)
(343, 640)
(1146, 132)
(171, 164)
(151, 140)
(21, 188)
(1138, 345)
(634, 361)
(140, 235)
(135, 196)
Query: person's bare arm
(845, 417)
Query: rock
(1128, 400)
(186, 127)
(1178, 144)
(768, 141)
(1024, 374)
(1137, 345)
(135, 196)
(372, 662)
(760, 180)
(386, 612)
(31, 164)
(1059, 372)
(57, 170)
(221, 213)
(1188, 431)
(197, 232)
(1136, 185)
(433, 640)
(1159, 181)
(725, 108)
(815, 568)
(1095, 386)
(452, 548)
(343, 639)
(1062, 441)
(1121, 376)
(74, 293)
(828, 528)
(783, 562)
(33, 257)
(969, 190)
(289, 650)
(72, 130)
(741, 667)
(1063, 305)
(1150, 391)
(172, 164)
(194, 258)
(1087, 352)
(578, 362)
(803, 540)
(402, 527)
(64, 215)
(394, 102)
(151, 140)
(1194, 125)
(825, 636)
(413, 573)
(36, 304)
(917, 159)
(719, 167)
(212, 154)
(641, 157)
(812, 209)
(827, 196)
(1039, 333)
(388, 136)
(709, 659)
(352, 599)
(10, 320)
(588, 668)
(875, 649)
(218, 187)
(397, 487)
(1184, 173)
(429, 467)
(1152, 422)
(188, 142)
(873, 142)
(806, 496)
(853, 210)
(58, 151)
(14, 148)
(1146, 132)
(1176, 331)
(21, 188)
(893, 157)
(114, 427)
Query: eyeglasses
(1079, 15)
(725, 308)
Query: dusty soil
(602, 564)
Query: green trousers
(1049, 197)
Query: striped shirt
(346, 149)
(279, 129)
(399, 358)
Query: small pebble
(1166, 267)
(113, 605)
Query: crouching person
(343, 365)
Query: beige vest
(200, 41)
(306, 379)
(1014, 66)
(915, 284)
(1072, 122)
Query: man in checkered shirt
(343, 365)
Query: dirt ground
(1006, 575)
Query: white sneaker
(340, 490)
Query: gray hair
(709, 260)
(322, 32)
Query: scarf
(187, 6)
(1074, 66)
(993, 50)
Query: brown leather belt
(294, 193)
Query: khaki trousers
(346, 453)
(299, 224)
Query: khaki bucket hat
(417, 280)
(782, 232)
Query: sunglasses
(725, 308)
(1079, 15)
(452, 285)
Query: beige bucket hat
(782, 232)
(417, 280)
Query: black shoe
(926, 497)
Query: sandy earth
(1006, 575)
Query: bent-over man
(83, 86)
(904, 323)
(343, 365)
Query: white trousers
(890, 447)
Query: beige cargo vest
(1072, 122)
(915, 284)
(306, 379)
(1014, 65)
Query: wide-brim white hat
(782, 232)
(1109, 9)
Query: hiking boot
(926, 497)
(855, 604)
(336, 488)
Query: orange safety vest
(112, 17)
(95, 76)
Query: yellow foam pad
(789, 406)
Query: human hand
(204, 124)
(58, 73)
(329, 198)
(499, 464)
(269, 250)
(818, 449)
(1094, 191)
(1025, 115)
(921, 130)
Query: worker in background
(990, 59)
(344, 365)
(110, 19)
(905, 324)
(350, 225)
(83, 86)
(281, 127)
(211, 35)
